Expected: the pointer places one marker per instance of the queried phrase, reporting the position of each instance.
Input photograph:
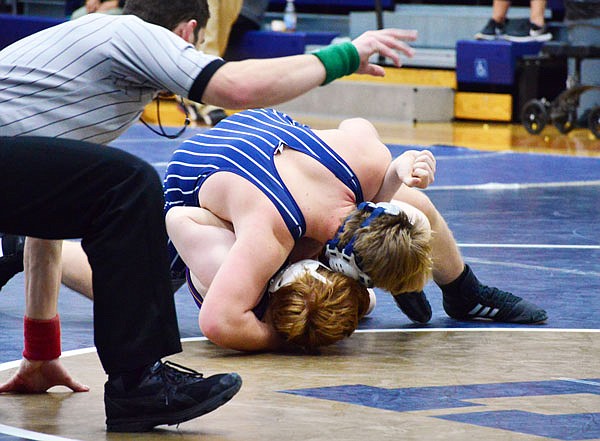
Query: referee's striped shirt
(91, 78)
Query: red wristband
(42, 339)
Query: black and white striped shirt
(91, 78)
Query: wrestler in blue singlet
(245, 144)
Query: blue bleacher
(15, 27)
(491, 62)
(269, 44)
(340, 6)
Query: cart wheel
(565, 122)
(534, 116)
(594, 121)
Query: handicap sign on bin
(481, 68)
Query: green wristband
(339, 60)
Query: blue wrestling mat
(459, 166)
(526, 223)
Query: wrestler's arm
(226, 317)
(202, 239)
(235, 268)
(412, 168)
(199, 215)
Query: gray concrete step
(379, 102)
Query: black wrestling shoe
(165, 395)
(11, 261)
(415, 306)
(477, 301)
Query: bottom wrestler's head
(311, 306)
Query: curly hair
(309, 313)
(169, 14)
(395, 253)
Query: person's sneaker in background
(521, 31)
(211, 115)
(203, 113)
(491, 31)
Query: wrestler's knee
(419, 200)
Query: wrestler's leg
(464, 296)
(447, 261)
(76, 270)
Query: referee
(90, 79)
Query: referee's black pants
(63, 189)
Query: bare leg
(464, 296)
(538, 7)
(447, 261)
(42, 277)
(500, 10)
(76, 270)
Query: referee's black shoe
(165, 393)
(11, 260)
(415, 306)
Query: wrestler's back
(322, 198)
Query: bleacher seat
(337, 6)
(269, 44)
(15, 27)
(490, 62)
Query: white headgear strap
(346, 264)
(293, 272)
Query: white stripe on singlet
(91, 78)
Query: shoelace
(174, 374)
(500, 298)
(177, 372)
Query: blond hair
(393, 251)
(309, 313)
